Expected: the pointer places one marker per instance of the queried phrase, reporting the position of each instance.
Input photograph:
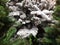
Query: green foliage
(57, 13)
(10, 33)
(3, 2)
(58, 2)
(3, 11)
(5, 23)
(52, 34)
(7, 30)
(8, 40)
(1, 25)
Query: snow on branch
(31, 13)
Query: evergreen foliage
(51, 37)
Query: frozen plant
(31, 14)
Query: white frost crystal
(13, 8)
(27, 21)
(14, 13)
(43, 15)
(20, 20)
(19, 4)
(22, 16)
(31, 11)
(27, 32)
(23, 22)
(47, 11)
